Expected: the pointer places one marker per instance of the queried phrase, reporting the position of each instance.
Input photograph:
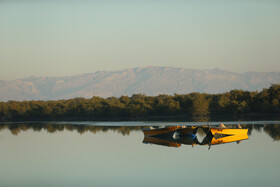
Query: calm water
(113, 154)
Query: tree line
(234, 103)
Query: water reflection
(164, 141)
(81, 129)
(192, 140)
(273, 130)
(209, 135)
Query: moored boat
(166, 131)
(227, 131)
(186, 131)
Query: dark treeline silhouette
(81, 129)
(234, 103)
(272, 130)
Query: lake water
(113, 154)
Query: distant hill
(148, 80)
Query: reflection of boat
(167, 131)
(165, 141)
(227, 139)
(222, 139)
(188, 140)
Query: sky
(68, 37)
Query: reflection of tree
(15, 129)
(81, 129)
(273, 131)
(124, 131)
(256, 127)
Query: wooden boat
(167, 131)
(169, 141)
(186, 131)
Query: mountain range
(147, 80)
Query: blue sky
(58, 38)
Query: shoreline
(175, 118)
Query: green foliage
(235, 102)
(200, 104)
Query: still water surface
(113, 154)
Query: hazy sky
(66, 37)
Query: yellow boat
(227, 131)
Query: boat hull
(168, 131)
(227, 131)
(188, 131)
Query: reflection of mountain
(272, 130)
